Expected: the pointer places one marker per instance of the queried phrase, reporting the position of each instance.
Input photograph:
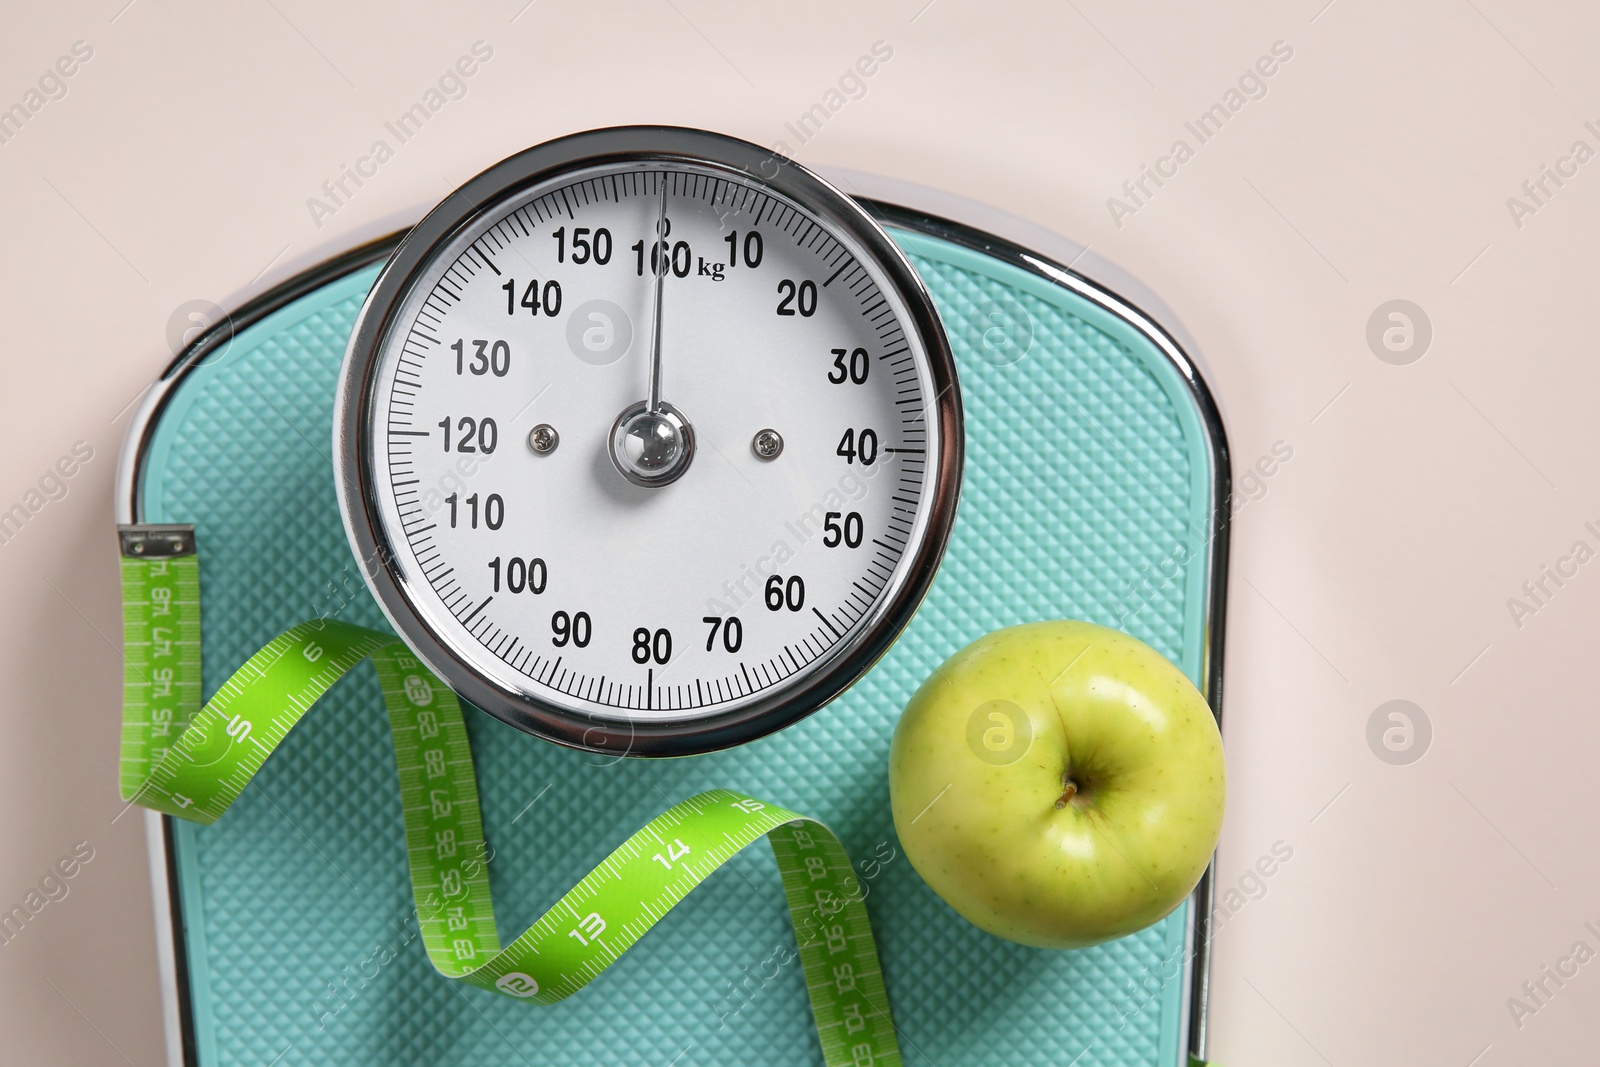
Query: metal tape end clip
(156, 540)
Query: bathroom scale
(1092, 475)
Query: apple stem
(1070, 790)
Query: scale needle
(660, 264)
(651, 442)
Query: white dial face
(499, 482)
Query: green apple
(1059, 784)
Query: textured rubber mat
(1086, 463)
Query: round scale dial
(650, 441)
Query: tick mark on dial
(477, 609)
(825, 622)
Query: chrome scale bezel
(482, 197)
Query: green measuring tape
(192, 762)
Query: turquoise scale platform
(1087, 461)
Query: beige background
(1378, 565)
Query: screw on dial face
(767, 444)
(653, 586)
(543, 439)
